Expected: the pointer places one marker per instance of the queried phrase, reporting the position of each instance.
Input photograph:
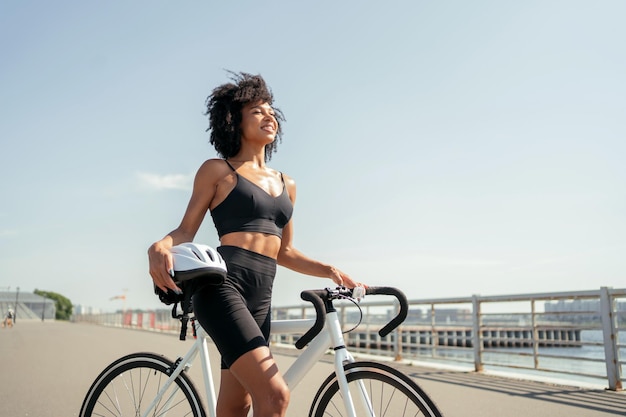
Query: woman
(251, 206)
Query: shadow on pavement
(589, 399)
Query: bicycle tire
(127, 387)
(391, 393)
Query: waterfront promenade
(47, 368)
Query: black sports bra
(249, 208)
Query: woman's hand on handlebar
(162, 267)
(343, 279)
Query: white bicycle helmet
(192, 260)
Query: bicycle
(148, 384)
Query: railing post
(398, 336)
(433, 331)
(368, 340)
(611, 356)
(535, 335)
(477, 335)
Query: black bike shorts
(237, 314)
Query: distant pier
(493, 337)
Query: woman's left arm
(292, 258)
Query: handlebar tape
(404, 307)
(315, 298)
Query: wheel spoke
(377, 390)
(131, 384)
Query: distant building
(29, 306)
(581, 310)
(578, 306)
(80, 310)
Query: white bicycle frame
(330, 337)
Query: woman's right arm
(159, 255)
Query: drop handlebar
(322, 301)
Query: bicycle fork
(180, 366)
(342, 357)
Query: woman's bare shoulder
(212, 171)
(288, 180)
(213, 167)
(290, 184)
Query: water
(574, 365)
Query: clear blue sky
(449, 148)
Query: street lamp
(17, 294)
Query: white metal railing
(567, 333)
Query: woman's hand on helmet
(162, 267)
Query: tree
(63, 304)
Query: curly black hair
(224, 107)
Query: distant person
(8, 318)
(251, 206)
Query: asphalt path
(46, 369)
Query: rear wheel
(129, 385)
(388, 391)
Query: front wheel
(129, 385)
(376, 390)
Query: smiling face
(258, 122)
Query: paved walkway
(47, 368)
